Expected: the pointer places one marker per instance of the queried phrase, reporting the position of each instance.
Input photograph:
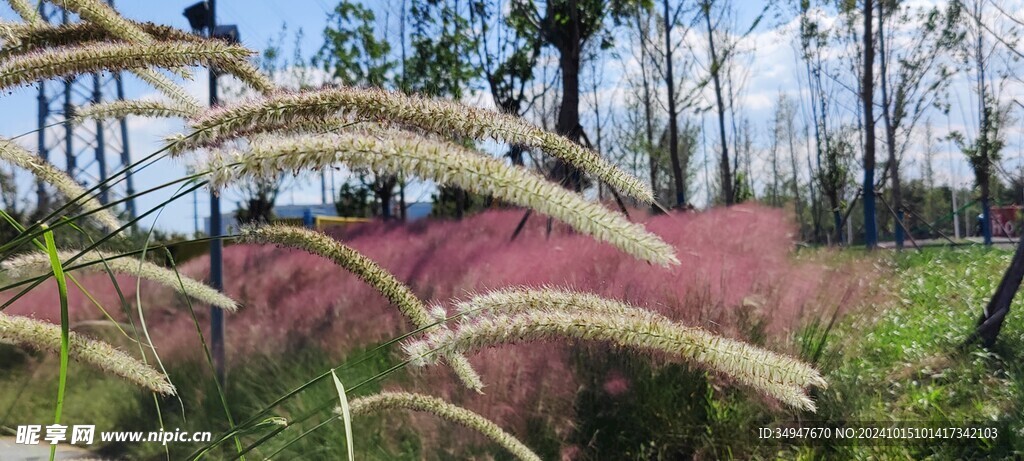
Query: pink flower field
(739, 273)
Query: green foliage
(568, 23)
(902, 365)
(629, 409)
(351, 51)
(112, 404)
(355, 201)
(984, 150)
(259, 206)
(453, 202)
(441, 44)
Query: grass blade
(65, 322)
(346, 415)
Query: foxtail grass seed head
(170, 89)
(438, 313)
(121, 109)
(98, 57)
(104, 16)
(773, 374)
(26, 39)
(368, 271)
(348, 258)
(445, 163)
(17, 156)
(437, 116)
(517, 300)
(43, 336)
(22, 38)
(27, 12)
(391, 401)
(31, 265)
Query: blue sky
(259, 22)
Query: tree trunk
(651, 158)
(985, 171)
(726, 173)
(402, 206)
(568, 124)
(998, 307)
(867, 99)
(798, 203)
(890, 130)
(986, 208)
(673, 123)
(384, 187)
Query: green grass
(27, 389)
(899, 361)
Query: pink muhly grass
(733, 261)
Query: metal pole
(216, 230)
(323, 186)
(43, 200)
(956, 216)
(126, 157)
(69, 133)
(101, 148)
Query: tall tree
(813, 38)
(918, 82)
(928, 171)
(440, 65)
(725, 170)
(775, 130)
(355, 52)
(983, 150)
(867, 87)
(669, 21)
(507, 59)
(647, 64)
(567, 26)
(789, 124)
(660, 45)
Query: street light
(202, 17)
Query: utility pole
(203, 15)
(216, 230)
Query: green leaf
(65, 333)
(345, 414)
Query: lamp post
(203, 15)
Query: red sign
(1005, 221)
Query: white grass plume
(104, 16)
(27, 12)
(14, 154)
(170, 89)
(114, 110)
(97, 57)
(31, 265)
(445, 163)
(772, 374)
(24, 37)
(446, 118)
(390, 401)
(43, 336)
(368, 271)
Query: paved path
(9, 451)
(1000, 242)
